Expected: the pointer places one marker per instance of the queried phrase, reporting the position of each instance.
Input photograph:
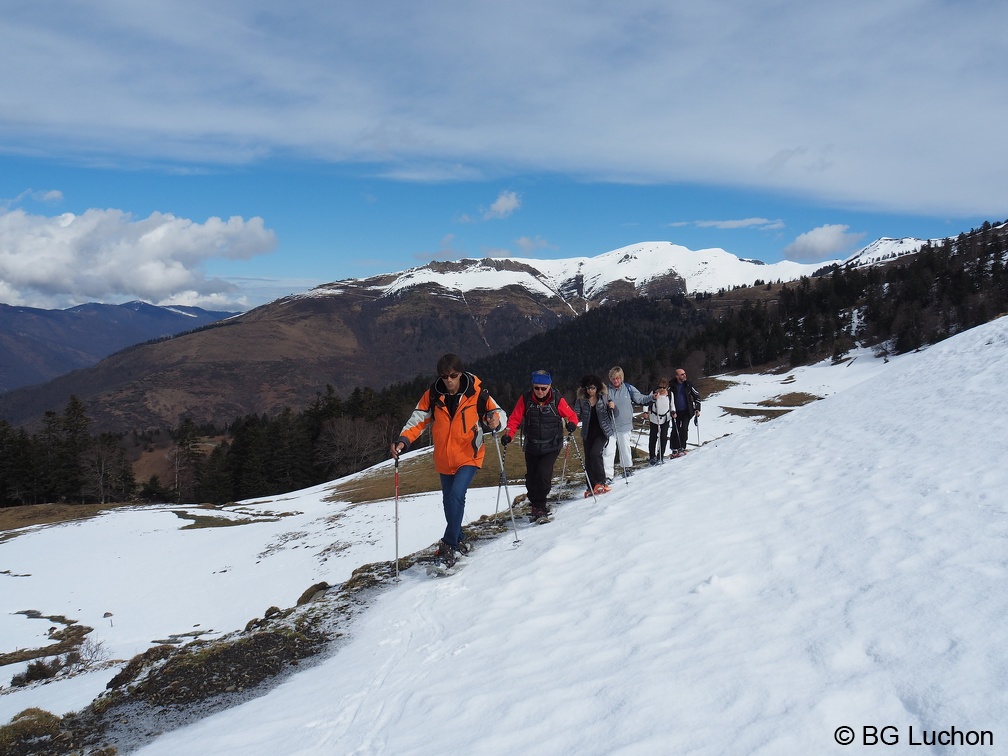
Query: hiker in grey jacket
(622, 397)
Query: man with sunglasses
(685, 401)
(459, 411)
(542, 416)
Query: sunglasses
(591, 388)
(452, 376)
(540, 388)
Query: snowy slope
(885, 249)
(840, 566)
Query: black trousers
(656, 431)
(594, 443)
(539, 475)
(681, 433)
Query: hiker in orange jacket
(461, 411)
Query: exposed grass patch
(68, 639)
(30, 726)
(759, 415)
(710, 386)
(794, 399)
(12, 518)
(209, 521)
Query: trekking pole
(397, 518)
(644, 422)
(696, 422)
(506, 491)
(571, 439)
(622, 464)
(563, 470)
(500, 484)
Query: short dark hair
(450, 363)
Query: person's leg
(539, 477)
(664, 439)
(652, 442)
(626, 458)
(453, 489)
(593, 462)
(609, 458)
(682, 431)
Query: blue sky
(230, 153)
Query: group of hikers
(460, 411)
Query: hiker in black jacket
(685, 400)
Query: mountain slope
(39, 345)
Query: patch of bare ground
(759, 415)
(794, 399)
(15, 518)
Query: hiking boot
(601, 488)
(445, 554)
(539, 511)
(652, 461)
(463, 548)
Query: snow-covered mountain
(647, 268)
(833, 568)
(886, 249)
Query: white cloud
(530, 244)
(759, 223)
(822, 243)
(506, 204)
(107, 255)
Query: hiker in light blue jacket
(622, 397)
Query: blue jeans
(454, 488)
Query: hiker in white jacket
(658, 420)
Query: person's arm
(418, 420)
(516, 417)
(568, 414)
(644, 400)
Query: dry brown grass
(710, 386)
(794, 399)
(417, 475)
(12, 518)
(760, 415)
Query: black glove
(571, 427)
(505, 439)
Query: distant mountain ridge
(375, 331)
(38, 345)
(644, 269)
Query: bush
(37, 670)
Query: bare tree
(347, 444)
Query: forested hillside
(901, 306)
